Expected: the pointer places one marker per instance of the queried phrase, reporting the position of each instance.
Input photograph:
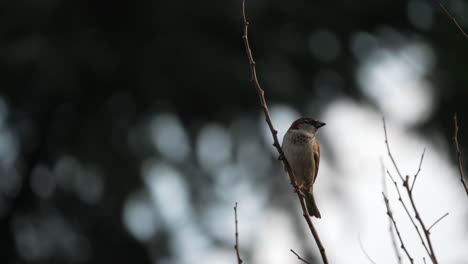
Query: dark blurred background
(129, 128)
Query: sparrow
(302, 150)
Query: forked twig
(261, 95)
(299, 257)
(427, 234)
(438, 220)
(459, 154)
(236, 246)
(390, 215)
(390, 225)
(400, 199)
(406, 184)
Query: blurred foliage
(80, 80)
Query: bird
(302, 150)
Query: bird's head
(306, 124)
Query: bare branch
(419, 169)
(421, 222)
(389, 152)
(299, 257)
(452, 18)
(236, 246)
(459, 154)
(405, 182)
(438, 220)
(390, 225)
(261, 95)
(400, 199)
(390, 215)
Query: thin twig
(438, 220)
(390, 215)
(276, 144)
(400, 199)
(409, 192)
(364, 251)
(390, 225)
(452, 18)
(419, 169)
(459, 154)
(236, 246)
(299, 257)
(427, 234)
(389, 152)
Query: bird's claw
(299, 188)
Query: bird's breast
(299, 151)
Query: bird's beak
(319, 124)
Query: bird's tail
(311, 205)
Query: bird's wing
(316, 159)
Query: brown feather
(316, 159)
(295, 124)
